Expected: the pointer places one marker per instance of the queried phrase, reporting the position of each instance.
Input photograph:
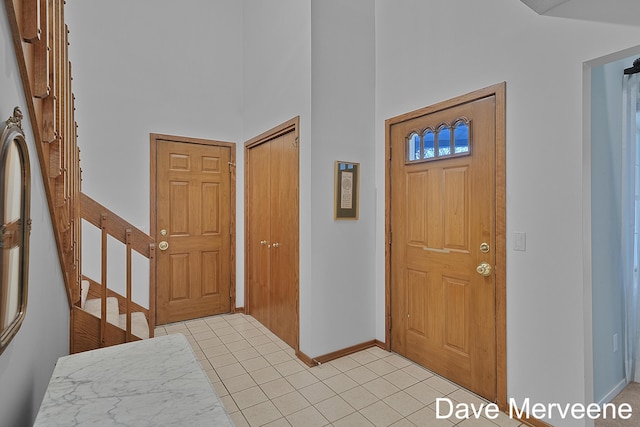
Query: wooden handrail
(113, 225)
(92, 211)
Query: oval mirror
(15, 227)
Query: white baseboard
(613, 393)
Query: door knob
(484, 269)
(263, 242)
(276, 245)
(164, 245)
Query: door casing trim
(154, 138)
(499, 91)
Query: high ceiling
(623, 12)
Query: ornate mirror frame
(15, 227)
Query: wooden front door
(272, 248)
(443, 240)
(194, 215)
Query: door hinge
(390, 322)
(390, 236)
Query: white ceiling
(623, 12)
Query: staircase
(100, 317)
(93, 306)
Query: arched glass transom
(446, 140)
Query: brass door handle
(484, 269)
(276, 245)
(163, 246)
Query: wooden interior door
(272, 230)
(284, 237)
(443, 216)
(193, 220)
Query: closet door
(284, 236)
(259, 225)
(272, 230)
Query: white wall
(27, 363)
(149, 67)
(342, 284)
(431, 51)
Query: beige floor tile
(289, 367)
(324, 371)
(260, 339)
(229, 338)
(426, 417)
(239, 383)
(237, 345)
(261, 414)
(397, 361)
(213, 341)
(289, 403)
(203, 335)
(215, 351)
(361, 374)
(229, 404)
(230, 371)
(301, 379)
(464, 396)
(403, 403)
(254, 364)
(308, 417)
(400, 379)
(317, 392)
(477, 422)
(403, 423)
(220, 388)
(359, 397)
(213, 377)
(225, 330)
(250, 331)
(344, 364)
(363, 357)
(381, 367)
(377, 351)
(277, 357)
(418, 372)
(340, 383)
(281, 422)
(381, 414)
(249, 397)
(268, 348)
(354, 420)
(276, 388)
(265, 375)
(334, 408)
(440, 384)
(222, 360)
(246, 354)
(423, 393)
(238, 419)
(381, 388)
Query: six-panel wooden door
(193, 230)
(443, 257)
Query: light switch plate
(519, 241)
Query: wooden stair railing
(40, 38)
(85, 335)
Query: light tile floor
(261, 382)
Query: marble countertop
(153, 382)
